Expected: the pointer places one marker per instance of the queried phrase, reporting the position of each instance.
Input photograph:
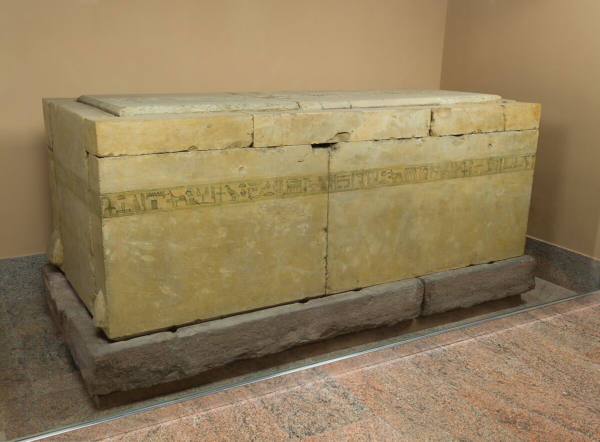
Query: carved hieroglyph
(180, 208)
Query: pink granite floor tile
(216, 400)
(303, 412)
(542, 383)
(303, 378)
(525, 424)
(53, 372)
(3, 314)
(581, 324)
(557, 367)
(180, 430)
(21, 277)
(28, 309)
(242, 421)
(421, 408)
(12, 364)
(593, 355)
(119, 426)
(367, 430)
(18, 413)
(47, 357)
(66, 407)
(516, 385)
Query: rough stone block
(522, 116)
(66, 119)
(421, 206)
(54, 253)
(244, 250)
(477, 284)
(53, 191)
(136, 105)
(311, 127)
(316, 100)
(173, 133)
(466, 119)
(167, 357)
(49, 106)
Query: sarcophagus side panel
(421, 206)
(201, 235)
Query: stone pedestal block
(477, 284)
(166, 361)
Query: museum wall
(65, 48)
(544, 51)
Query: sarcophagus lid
(152, 104)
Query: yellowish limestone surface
(53, 190)
(181, 208)
(426, 205)
(191, 262)
(127, 105)
(300, 127)
(315, 100)
(156, 134)
(66, 119)
(467, 119)
(124, 105)
(55, 250)
(522, 116)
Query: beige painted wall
(545, 51)
(65, 48)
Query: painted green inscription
(233, 192)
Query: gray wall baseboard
(564, 267)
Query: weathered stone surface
(53, 190)
(109, 367)
(422, 206)
(311, 127)
(522, 116)
(466, 119)
(48, 105)
(67, 120)
(47, 127)
(183, 262)
(143, 124)
(69, 134)
(473, 285)
(127, 105)
(153, 134)
(317, 100)
(55, 251)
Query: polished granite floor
(42, 388)
(533, 376)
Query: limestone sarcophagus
(173, 209)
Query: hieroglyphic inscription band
(250, 190)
